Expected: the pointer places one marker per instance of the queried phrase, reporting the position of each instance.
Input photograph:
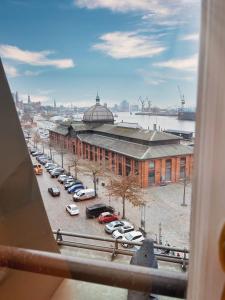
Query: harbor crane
(181, 98)
(142, 101)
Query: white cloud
(186, 64)
(190, 37)
(11, 71)
(34, 58)
(156, 77)
(154, 6)
(128, 45)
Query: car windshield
(128, 236)
(80, 193)
(55, 190)
(73, 207)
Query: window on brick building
(182, 167)
(74, 149)
(96, 153)
(106, 155)
(83, 149)
(136, 167)
(151, 172)
(128, 166)
(168, 170)
(101, 153)
(91, 153)
(86, 152)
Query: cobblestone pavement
(163, 206)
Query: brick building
(154, 155)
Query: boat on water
(186, 115)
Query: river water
(163, 122)
(146, 122)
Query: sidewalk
(163, 206)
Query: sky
(123, 49)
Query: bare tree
(36, 139)
(61, 149)
(127, 188)
(50, 144)
(97, 169)
(75, 163)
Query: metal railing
(182, 260)
(131, 277)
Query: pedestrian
(97, 180)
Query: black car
(56, 172)
(54, 191)
(95, 210)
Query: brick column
(157, 171)
(173, 169)
(177, 169)
(163, 169)
(144, 173)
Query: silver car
(112, 226)
(119, 233)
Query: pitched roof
(63, 130)
(135, 150)
(135, 133)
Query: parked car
(62, 178)
(132, 236)
(95, 210)
(68, 184)
(48, 164)
(107, 217)
(40, 157)
(32, 150)
(56, 172)
(38, 169)
(51, 167)
(54, 191)
(69, 180)
(72, 209)
(43, 161)
(75, 187)
(37, 153)
(112, 226)
(119, 233)
(84, 195)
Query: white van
(84, 195)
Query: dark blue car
(75, 187)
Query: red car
(107, 217)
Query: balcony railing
(131, 277)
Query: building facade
(156, 157)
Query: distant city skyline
(122, 49)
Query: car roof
(72, 205)
(96, 205)
(105, 214)
(115, 222)
(135, 233)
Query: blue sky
(68, 50)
